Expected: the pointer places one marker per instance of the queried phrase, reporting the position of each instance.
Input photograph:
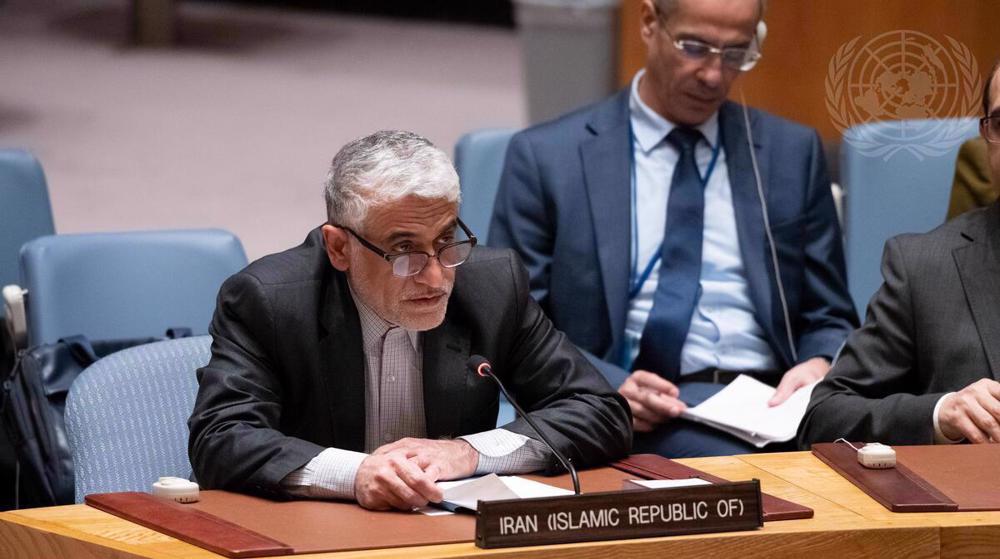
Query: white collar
(650, 128)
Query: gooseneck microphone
(481, 366)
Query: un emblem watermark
(905, 76)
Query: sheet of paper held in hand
(741, 410)
(467, 493)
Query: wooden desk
(847, 524)
(962, 534)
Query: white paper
(468, 492)
(668, 483)
(741, 410)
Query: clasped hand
(972, 413)
(402, 475)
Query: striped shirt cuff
(505, 452)
(330, 475)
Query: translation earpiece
(761, 33)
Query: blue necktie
(680, 264)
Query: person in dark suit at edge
(338, 367)
(923, 369)
(640, 222)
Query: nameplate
(646, 513)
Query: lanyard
(636, 278)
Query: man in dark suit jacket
(924, 367)
(582, 199)
(338, 367)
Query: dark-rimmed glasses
(989, 127)
(412, 262)
(735, 58)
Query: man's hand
(972, 413)
(402, 474)
(392, 480)
(442, 459)
(803, 374)
(653, 400)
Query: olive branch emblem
(920, 138)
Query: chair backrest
(479, 157)
(126, 416)
(897, 176)
(25, 212)
(125, 285)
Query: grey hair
(384, 167)
(668, 7)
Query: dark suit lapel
(342, 363)
(606, 170)
(979, 267)
(750, 223)
(446, 350)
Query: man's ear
(648, 21)
(337, 250)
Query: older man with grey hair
(338, 367)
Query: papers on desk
(666, 483)
(741, 410)
(466, 493)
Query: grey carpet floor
(236, 125)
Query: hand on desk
(653, 399)
(803, 374)
(402, 474)
(972, 413)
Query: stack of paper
(741, 410)
(466, 493)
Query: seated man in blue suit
(642, 226)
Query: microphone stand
(482, 368)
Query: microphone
(481, 366)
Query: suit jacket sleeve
(866, 397)
(826, 315)
(583, 415)
(520, 218)
(235, 438)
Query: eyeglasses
(989, 127)
(736, 58)
(412, 262)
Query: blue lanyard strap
(639, 279)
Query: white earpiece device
(176, 489)
(877, 456)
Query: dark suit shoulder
(972, 226)
(491, 277)
(305, 262)
(565, 129)
(774, 126)
(487, 266)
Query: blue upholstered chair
(25, 213)
(125, 285)
(126, 416)
(897, 176)
(479, 157)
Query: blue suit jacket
(564, 205)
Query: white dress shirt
(724, 333)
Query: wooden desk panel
(837, 530)
(962, 534)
